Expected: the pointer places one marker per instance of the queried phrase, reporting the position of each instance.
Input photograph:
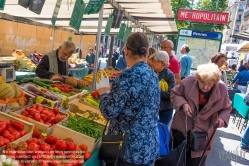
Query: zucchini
(41, 84)
(46, 81)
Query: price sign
(77, 14)
(94, 6)
(56, 11)
(2, 4)
(121, 31)
(109, 25)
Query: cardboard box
(78, 138)
(28, 127)
(45, 128)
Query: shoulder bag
(199, 140)
(113, 146)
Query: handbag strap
(140, 106)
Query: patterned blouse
(121, 105)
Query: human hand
(57, 77)
(187, 110)
(103, 90)
(220, 122)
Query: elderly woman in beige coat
(202, 101)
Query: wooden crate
(28, 127)
(81, 107)
(78, 138)
(45, 128)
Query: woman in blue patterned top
(120, 104)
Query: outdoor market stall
(45, 113)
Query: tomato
(11, 130)
(17, 135)
(80, 162)
(30, 116)
(71, 155)
(11, 146)
(45, 147)
(67, 164)
(53, 147)
(87, 155)
(51, 120)
(33, 147)
(57, 118)
(10, 153)
(44, 117)
(71, 146)
(32, 140)
(36, 133)
(6, 141)
(83, 147)
(28, 164)
(44, 163)
(42, 137)
(63, 117)
(46, 112)
(1, 142)
(51, 139)
(39, 109)
(55, 111)
(23, 132)
(21, 155)
(25, 113)
(37, 116)
(22, 145)
(61, 145)
(10, 137)
(53, 114)
(68, 139)
(5, 132)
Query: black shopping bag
(176, 157)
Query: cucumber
(41, 84)
(90, 101)
(27, 80)
(46, 81)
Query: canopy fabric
(244, 47)
(151, 16)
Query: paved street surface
(226, 150)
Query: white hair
(160, 56)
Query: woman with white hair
(159, 61)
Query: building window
(241, 7)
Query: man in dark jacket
(115, 56)
(55, 63)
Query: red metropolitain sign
(203, 16)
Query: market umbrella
(244, 47)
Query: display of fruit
(48, 150)
(44, 115)
(89, 99)
(90, 114)
(71, 81)
(61, 87)
(10, 131)
(163, 85)
(6, 90)
(89, 78)
(17, 89)
(82, 83)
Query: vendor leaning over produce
(55, 63)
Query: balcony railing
(238, 20)
(246, 14)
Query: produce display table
(22, 75)
(79, 72)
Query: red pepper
(17, 135)
(2, 127)
(11, 130)
(23, 132)
(9, 137)
(17, 125)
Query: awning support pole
(97, 48)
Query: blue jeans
(165, 116)
(245, 139)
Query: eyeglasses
(165, 47)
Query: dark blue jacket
(121, 64)
(242, 76)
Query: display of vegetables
(90, 114)
(85, 126)
(48, 151)
(89, 99)
(44, 115)
(10, 131)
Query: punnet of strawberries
(44, 115)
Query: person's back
(186, 62)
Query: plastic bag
(103, 80)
